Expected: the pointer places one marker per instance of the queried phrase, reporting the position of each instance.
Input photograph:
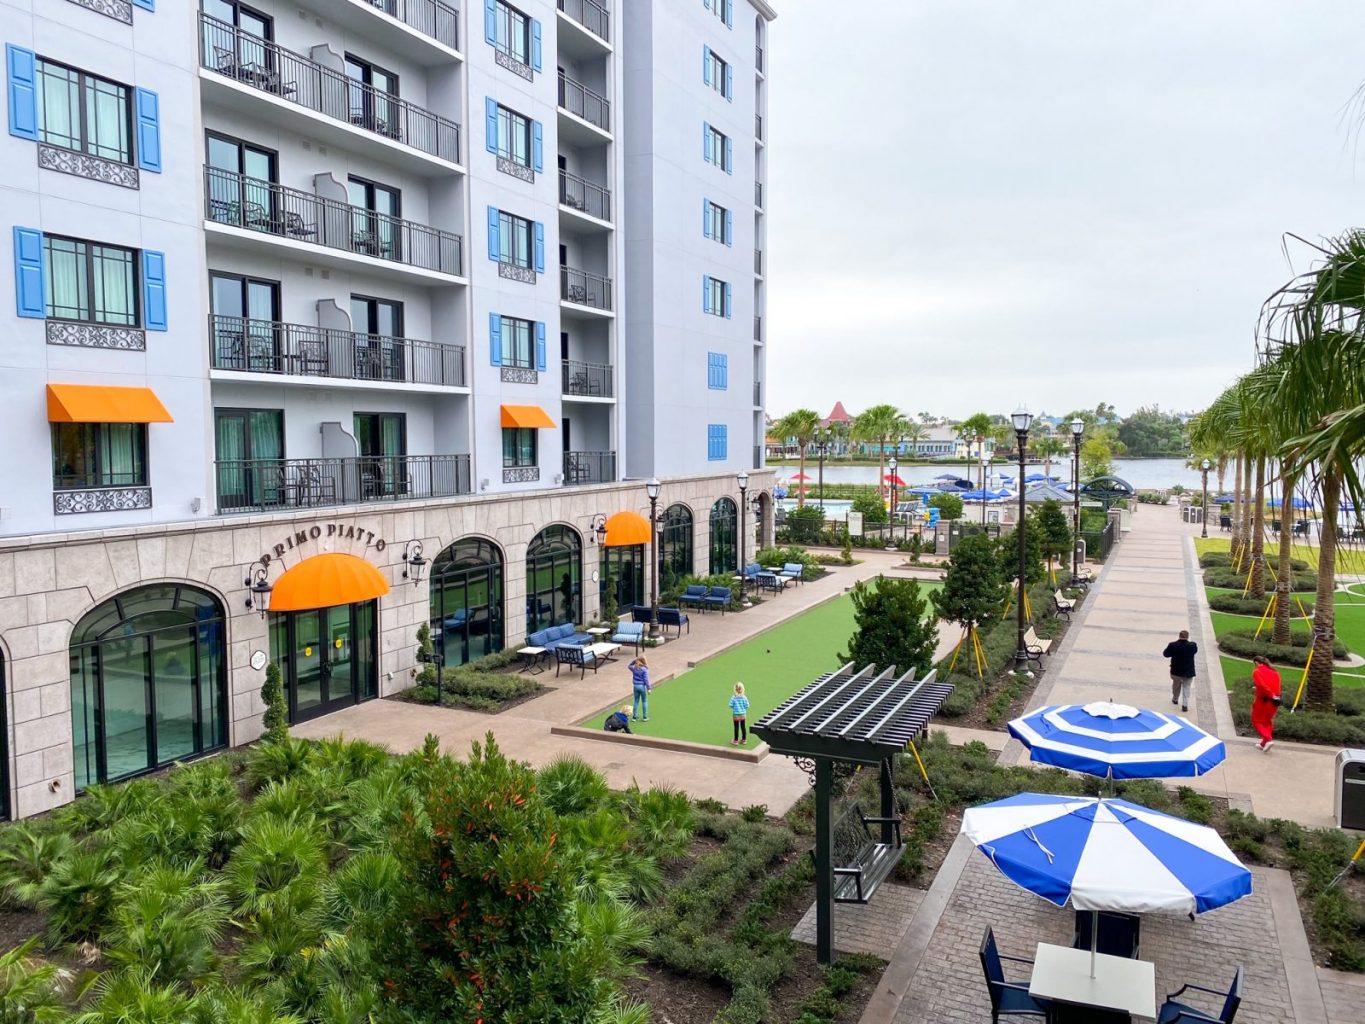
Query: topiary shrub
(1243, 643)
(1236, 604)
(1223, 559)
(1225, 578)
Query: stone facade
(48, 582)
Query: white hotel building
(304, 287)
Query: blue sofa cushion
(561, 631)
(695, 590)
(539, 638)
(718, 595)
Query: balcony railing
(758, 393)
(758, 261)
(758, 194)
(264, 346)
(758, 57)
(255, 485)
(581, 101)
(591, 16)
(758, 126)
(272, 209)
(270, 68)
(589, 467)
(584, 289)
(591, 379)
(585, 196)
(758, 328)
(429, 17)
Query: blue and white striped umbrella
(1117, 741)
(1106, 854)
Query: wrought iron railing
(269, 67)
(429, 17)
(584, 195)
(584, 289)
(581, 101)
(591, 379)
(273, 209)
(253, 485)
(265, 346)
(591, 16)
(589, 467)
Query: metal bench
(861, 860)
(1064, 607)
(1035, 646)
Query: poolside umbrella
(1037, 478)
(800, 476)
(1295, 503)
(1115, 741)
(980, 495)
(1106, 854)
(951, 477)
(892, 478)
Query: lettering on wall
(339, 531)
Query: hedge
(1344, 728)
(1302, 583)
(1236, 604)
(1243, 644)
(1223, 559)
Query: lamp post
(985, 464)
(1022, 420)
(652, 489)
(891, 464)
(1077, 432)
(821, 450)
(742, 479)
(1204, 510)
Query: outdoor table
(530, 659)
(1062, 974)
(597, 631)
(603, 652)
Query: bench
(861, 860)
(675, 617)
(1064, 607)
(1035, 646)
(575, 657)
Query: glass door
(338, 654)
(327, 658)
(383, 445)
(379, 349)
(174, 681)
(246, 329)
(242, 184)
(309, 669)
(250, 453)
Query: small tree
(276, 713)
(870, 505)
(1007, 553)
(973, 588)
(1054, 530)
(949, 505)
(846, 548)
(894, 626)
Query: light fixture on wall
(597, 533)
(257, 585)
(412, 556)
(483, 484)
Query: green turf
(775, 664)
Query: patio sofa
(554, 637)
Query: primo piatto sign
(316, 532)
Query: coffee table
(602, 651)
(598, 631)
(1062, 974)
(530, 659)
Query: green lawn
(696, 705)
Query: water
(1141, 473)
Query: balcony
(268, 485)
(758, 262)
(591, 16)
(587, 380)
(425, 31)
(758, 127)
(584, 289)
(268, 68)
(586, 197)
(758, 329)
(237, 201)
(758, 194)
(580, 101)
(589, 468)
(264, 346)
(758, 394)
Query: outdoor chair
(641, 613)
(719, 597)
(793, 571)
(675, 617)
(695, 594)
(1008, 998)
(1064, 607)
(1225, 523)
(575, 657)
(1118, 933)
(629, 634)
(1172, 1012)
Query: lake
(1141, 473)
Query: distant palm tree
(915, 433)
(1047, 448)
(802, 426)
(880, 423)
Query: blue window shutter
(725, 289)
(729, 83)
(146, 5)
(535, 45)
(706, 142)
(148, 110)
(706, 64)
(490, 21)
(729, 227)
(495, 339)
(540, 248)
(491, 112)
(729, 13)
(537, 146)
(723, 442)
(705, 294)
(494, 244)
(729, 155)
(706, 218)
(153, 290)
(724, 370)
(22, 67)
(708, 4)
(30, 276)
(540, 346)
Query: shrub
(78, 893)
(1236, 604)
(893, 626)
(570, 785)
(1345, 728)
(805, 524)
(1223, 560)
(755, 813)
(1243, 643)
(949, 505)
(30, 990)
(27, 854)
(276, 720)
(1227, 579)
(871, 506)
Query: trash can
(1350, 776)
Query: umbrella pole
(1094, 938)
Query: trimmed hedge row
(1243, 643)
(1236, 604)
(1223, 559)
(1345, 728)
(1302, 582)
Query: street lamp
(822, 449)
(1022, 419)
(742, 479)
(891, 464)
(652, 489)
(1204, 511)
(985, 464)
(1077, 432)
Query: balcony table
(1062, 975)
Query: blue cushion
(539, 638)
(561, 631)
(795, 567)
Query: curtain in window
(120, 455)
(58, 106)
(115, 302)
(391, 435)
(106, 116)
(67, 297)
(266, 442)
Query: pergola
(858, 717)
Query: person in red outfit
(1265, 702)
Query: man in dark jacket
(1181, 652)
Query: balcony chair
(1172, 1012)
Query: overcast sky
(978, 202)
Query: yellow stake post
(1303, 680)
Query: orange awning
(625, 529)
(326, 580)
(99, 403)
(528, 417)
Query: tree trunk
(1235, 514)
(1280, 634)
(1319, 696)
(881, 468)
(801, 481)
(1258, 532)
(1247, 482)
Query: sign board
(855, 524)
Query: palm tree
(802, 426)
(1047, 448)
(915, 432)
(880, 423)
(975, 429)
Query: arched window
(675, 546)
(724, 534)
(554, 578)
(148, 682)
(466, 601)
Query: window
(722, 9)
(466, 601)
(715, 297)
(372, 91)
(245, 323)
(554, 577)
(518, 446)
(81, 112)
(717, 222)
(375, 214)
(717, 442)
(718, 149)
(98, 455)
(514, 137)
(512, 32)
(248, 446)
(515, 235)
(380, 353)
(91, 283)
(381, 435)
(717, 371)
(517, 345)
(717, 74)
